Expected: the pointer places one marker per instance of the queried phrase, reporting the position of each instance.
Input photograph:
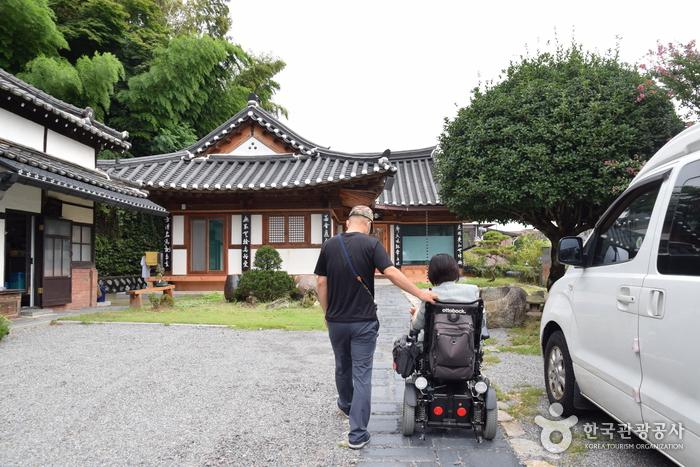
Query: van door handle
(625, 298)
(656, 303)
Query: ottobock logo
(454, 310)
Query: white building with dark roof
(49, 183)
(253, 181)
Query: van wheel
(559, 373)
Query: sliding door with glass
(207, 236)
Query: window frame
(688, 172)
(92, 245)
(402, 234)
(286, 243)
(614, 212)
(224, 244)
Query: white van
(621, 329)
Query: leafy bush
(155, 301)
(4, 327)
(490, 258)
(265, 285)
(267, 259)
(166, 301)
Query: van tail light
(461, 412)
(438, 410)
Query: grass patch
(524, 402)
(578, 443)
(491, 358)
(483, 282)
(525, 339)
(213, 309)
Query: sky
(371, 75)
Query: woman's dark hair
(442, 268)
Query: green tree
(130, 29)
(677, 68)
(55, 76)
(192, 85)
(553, 143)
(90, 83)
(99, 75)
(210, 17)
(27, 29)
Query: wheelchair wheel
(408, 420)
(408, 415)
(491, 424)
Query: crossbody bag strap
(358, 277)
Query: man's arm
(402, 282)
(322, 291)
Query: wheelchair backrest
(475, 309)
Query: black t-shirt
(348, 301)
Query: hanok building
(49, 184)
(253, 181)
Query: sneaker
(345, 413)
(360, 444)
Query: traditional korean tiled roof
(414, 183)
(57, 113)
(254, 113)
(219, 173)
(38, 169)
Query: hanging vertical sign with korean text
(167, 243)
(459, 245)
(245, 242)
(397, 246)
(326, 224)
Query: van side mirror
(571, 251)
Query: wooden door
(381, 231)
(56, 275)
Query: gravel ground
(515, 371)
(157, 395)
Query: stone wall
(10, 304)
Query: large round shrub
(264, 285)
(267, 259)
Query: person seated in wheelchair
(443, 273)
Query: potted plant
(159, 275)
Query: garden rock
(279, 303)
(505, 306)
(306, 283)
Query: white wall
(256, 234)
(22, 198)
(235, 230)
(299, 260)
(20, 130)
(70, 198)
(70, 150)
(234, 261)
(178, 233)
(179, 262)
(316, 229)
(77, 214)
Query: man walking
(345, 271)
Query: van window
(679, 249)
(620, 237)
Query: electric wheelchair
(444, 387)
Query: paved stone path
(440, 447)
